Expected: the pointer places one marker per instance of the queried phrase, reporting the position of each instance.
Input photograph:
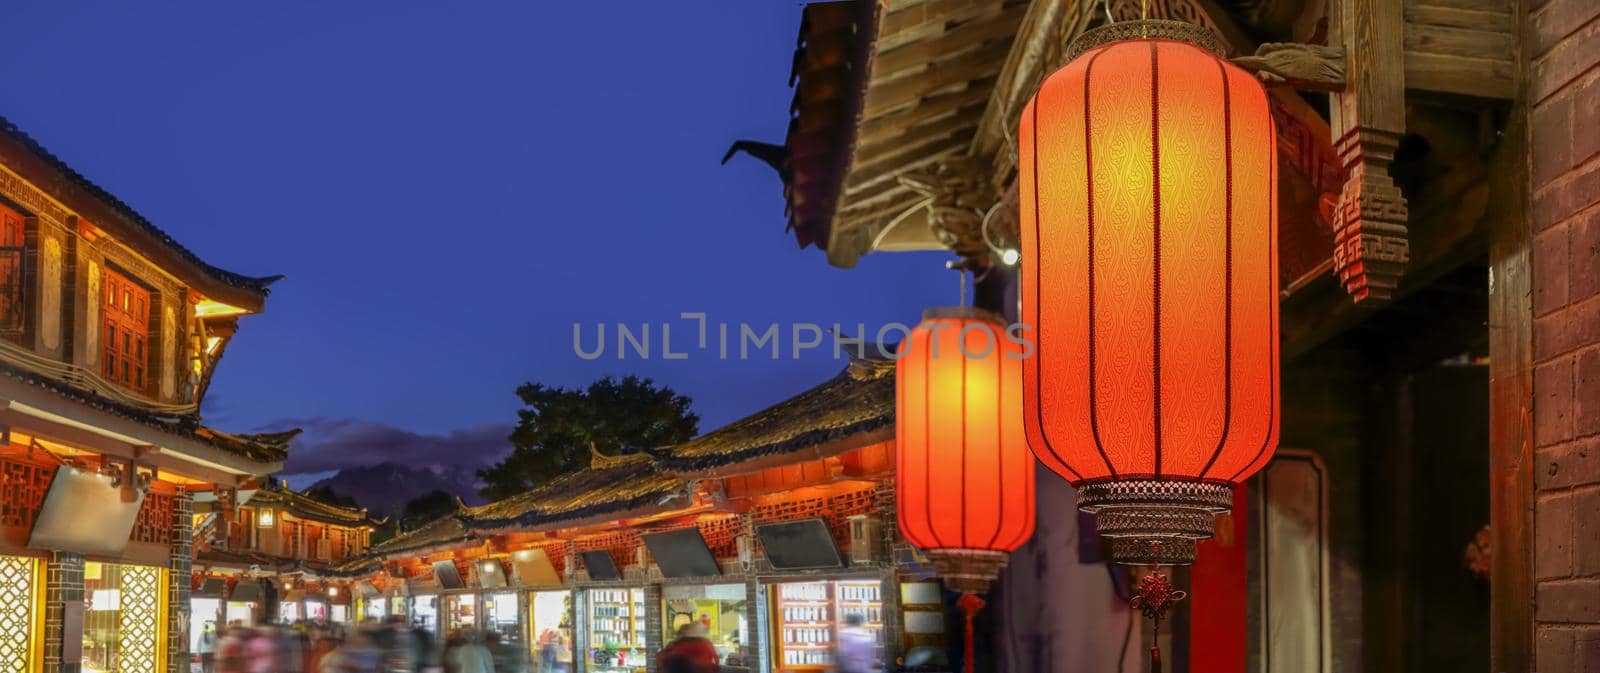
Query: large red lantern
(1148, 183)
(964, 475)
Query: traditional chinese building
(275, 558)
(1437, 342)
(110, 332)
(769, 531)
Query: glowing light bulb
(1010, 256)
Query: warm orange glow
(210, 308)
(964, 477)
(1148, 184)
(211, 344)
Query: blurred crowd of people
(393, 646)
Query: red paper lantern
(1148, 182)
(964, 475)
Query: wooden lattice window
(154, 523)
(126, 321)
(12, 301)
(20, 622)
(23, 485)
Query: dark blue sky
(448, 191)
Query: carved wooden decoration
(1367, 120)
(960, 197)
(90, 354)
(50, 293)
(1308, 67)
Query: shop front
(808, 616)
(460, 612)
(720, 608)
(502, 615)
(616, 623)
(244, 603)
(550, 630)
(375, 609)
(21, 600)
(425, 612)
(125, 618)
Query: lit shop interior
(550, 620)
(719, 607)
(124, 621)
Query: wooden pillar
(179, 621)
(1368, 117)
(1511, 397)
(652, 626)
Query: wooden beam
(984, 62)
(1511, 463)
(1034, 52)
(950, 45)
(892, 125)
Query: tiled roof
(254, 284)
(442, 531)
(858, 400)
(829, 77)
(617, 486)
(306, 507)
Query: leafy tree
(423, 509)
(326, 494)
(556, 426)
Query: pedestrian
(400, 651)
(430, 652)
(233, 649)
(263, 651)
(356, 655)
(690, 652)
(857, 648)
(465, 653)
(508, 654)
(206, 647)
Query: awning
(211, 588)
(246, 591)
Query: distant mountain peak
(385, 487)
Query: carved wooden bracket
(960, 196)
(1307, 67)
(1367, 116)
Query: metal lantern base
(1154, 522)
(968, 571)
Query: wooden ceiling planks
(931, 75)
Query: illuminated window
(11, 292)
(126, 320)
(123, 626)
(21, 625)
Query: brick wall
(1562, 42)
(63, 584)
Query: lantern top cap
(962, 313)
(1147, 29)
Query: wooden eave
(29, 160)
(928, 75)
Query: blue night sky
(448, 192)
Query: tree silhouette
(556, 426)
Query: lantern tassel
(1153, 596)
(970, 604)
(1155, 648)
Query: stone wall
(1562, 45)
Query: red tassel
(1155, 659)
(970, 604)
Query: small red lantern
(964, 476)
(1148, 181)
